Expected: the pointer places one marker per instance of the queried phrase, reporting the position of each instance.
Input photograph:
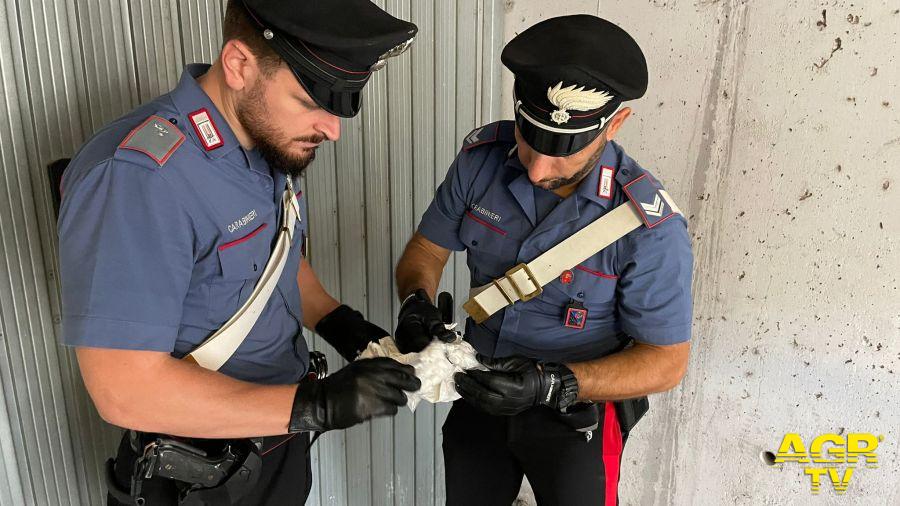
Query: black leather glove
(348, 332)
(354, 394)
(419, 322)
(515, 384)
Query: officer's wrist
(329, 325)
(418, 295)
(409, 297)
(308, 411)
(560, 386)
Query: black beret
(332, 46)
(580, 52)
(572, 74)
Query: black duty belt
(202, 476)
(204, 471)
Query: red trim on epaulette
(159, 161)
(636, 205)
(485, 141)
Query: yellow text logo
(829, 457)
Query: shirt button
(474, 242)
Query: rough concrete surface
(776, 126)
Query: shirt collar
(256, 162)
(189, 98)
(520, 186)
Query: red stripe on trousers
(612, 453)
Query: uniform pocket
(242, 262)
(598, 287)
(491, 251)
(592, 287)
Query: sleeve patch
(653, 207)
(156, 138)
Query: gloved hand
(354, 394)
(515, 384)
(348, 332)
(419, 322)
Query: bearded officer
(615, 326)
(168, 220)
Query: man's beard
(553, 184)
(252, 114)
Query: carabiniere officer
(616, 327)
(168, 220)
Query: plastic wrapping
(435, 366)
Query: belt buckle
(524, 297)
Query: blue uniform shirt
(638, 287)
(159, 248)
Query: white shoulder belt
(526, 281)
(219, 347)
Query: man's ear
(617, 122)
(238, 64)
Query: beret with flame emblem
(572, 75)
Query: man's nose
(329, 126)
(540, 168)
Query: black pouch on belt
(630, 411)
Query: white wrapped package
(435, 366)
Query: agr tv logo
(830, 457)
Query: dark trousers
(286, 476)
(486, 456)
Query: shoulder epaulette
(651, 201)
(498, 131)
(155, 137)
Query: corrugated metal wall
(68, 67)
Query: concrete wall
(778, 134)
